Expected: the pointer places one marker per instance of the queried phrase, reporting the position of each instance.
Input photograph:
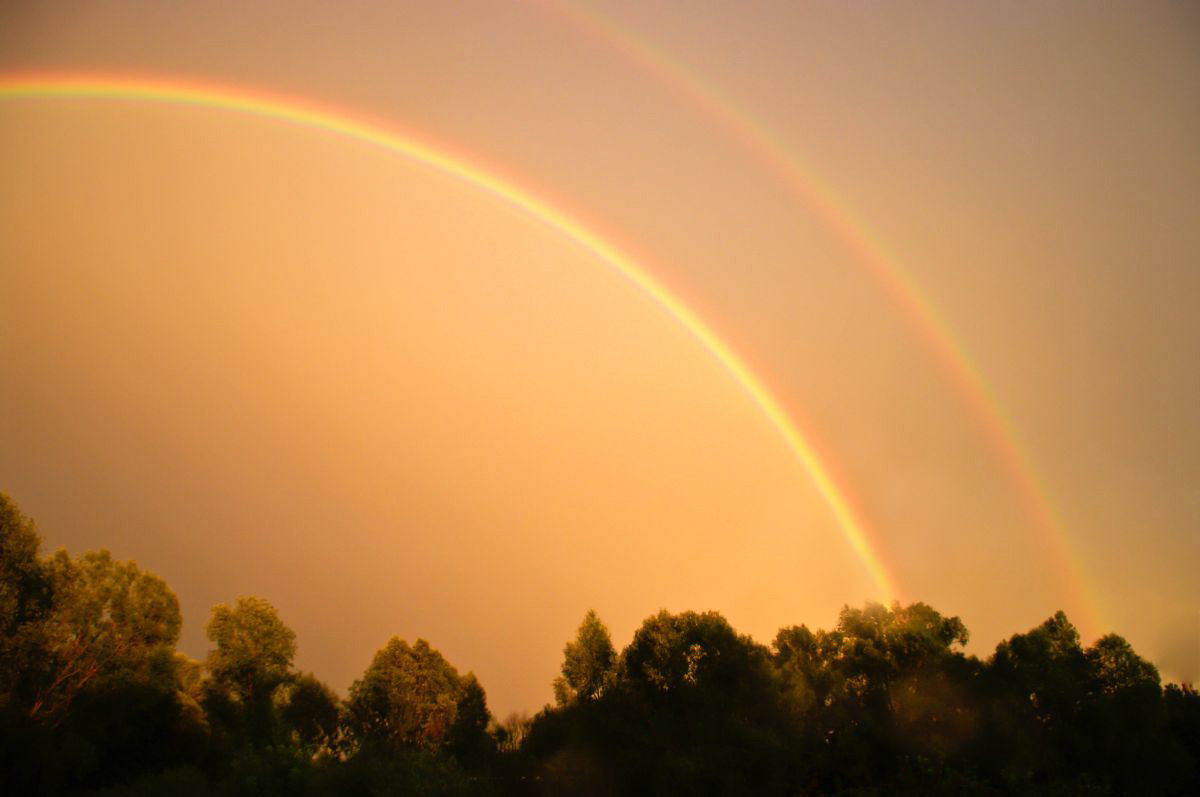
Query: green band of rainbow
(347, 125)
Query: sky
(955, 244)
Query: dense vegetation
(94, 699)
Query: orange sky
(260, 359)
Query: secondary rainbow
(885, 267)
(41, 86)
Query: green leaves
(110, 623)
(25, 595)
(254, 649)
(589, 663)
(412, 698)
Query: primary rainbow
(41, 86)
(887, 270)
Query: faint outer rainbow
(312, 115)
(886, 268)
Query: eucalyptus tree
(110, 624)
(251, 660)
(411, 698)
(589, 663)
(253, 649)
(25, 599)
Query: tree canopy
(95, 699)
(412, 698)
(25, 595)
(589, 663)
(110, 622)
(253, 649)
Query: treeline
(94, 699)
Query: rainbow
(308, 114)
(884, 267)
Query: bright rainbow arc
(312, 115)
(887, 269)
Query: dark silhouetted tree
(95, 700)
(469, 741)
(312, 712)
(693, 709)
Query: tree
(674, 652)
(313, 713)
(589, 663)
(887, 689)
(411, 698)
(110, 623)
(469, 740)
(25, 597)
(1181, 705)
(881, 656)
(512, 732)
(1117, 669)
(254, 650)
(1126, 720)
(1037, 687)
(693, 709)
(251, 661)
(883, 643)
(189, 691)
(1044, 671)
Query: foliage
(468, 740)
(511, 733)
(94, 699)
(589, 663)
(410, 699)
(110, 623)
(692, 709)
(254, 649)
(25, 595)
(249, 668)
(312, 712)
